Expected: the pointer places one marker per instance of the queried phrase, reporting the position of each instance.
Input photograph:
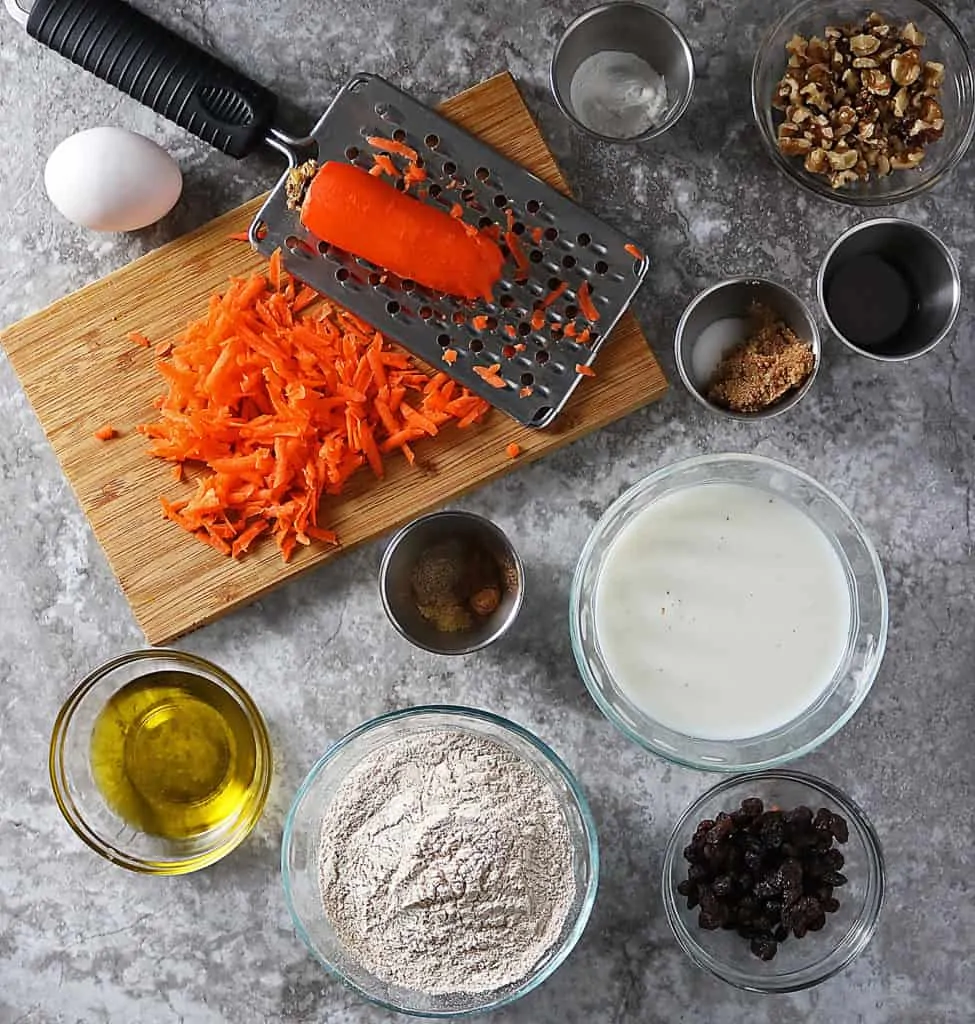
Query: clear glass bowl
(865, 643)
(95, 821)
(799, 963)
(299, 854)
(944, 43)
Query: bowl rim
(939, 244)
(461, 713)
(62, 789)
(575, 602)
(840, 196)
(865, 925)
(482, 523)
(655, 130)
(783, 405)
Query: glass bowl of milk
(728, 613)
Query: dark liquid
(869, 300)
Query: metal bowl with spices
(451, 582)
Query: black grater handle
(171, 76)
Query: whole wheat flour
(445, 864)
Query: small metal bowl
(396, 590)
(631, 28)
(926, 265)
(730, 300)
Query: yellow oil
(174, 755)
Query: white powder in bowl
(617, 94)
(446, 864)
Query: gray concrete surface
(81, 940)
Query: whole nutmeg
(485, 601)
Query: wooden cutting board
(80, 371)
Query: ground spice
(763, 368)
(454, 583)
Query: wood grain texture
(80, 372)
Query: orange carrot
(585, 371)
(520, 347)
(538, 319)
(239, 236)
(383, 165)
(554, 294)
(537, 235)
(526, 392)
(513, 450)
(584, 335)
(489, 374)
(106, 433)
(570, 329)
(479, 322)
(164, 348)
(586, 304)
(348, 208)
(457, 211)
(139, 339)
(280, 408)
(633, 251)
(450, 356)
(392, 146)
(510, 330)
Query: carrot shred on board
(106, 433)
(586, 304)
(384, 165)
(570, 330)
(163, 348)
(555, 294)
(584, 336)
(279, 408)
(510, 330)
(537, 235)
(239, 236)
(479, 322)
(449, 356)
(538, 319)
(526, 392)
(633, 251)
(520, 347)
(585, 371)
(137, 338)
(513, 450)
(489, 374)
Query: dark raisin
(722, 828)
(764, 949)
(723, 886)
(747, 908)
(697, 873)
(708, 921)
(752, 806)
(773, 831)
(780, 934)
(703, 827)
(817, 923)
(799, 930)
(839, 828)
(834, 878)
(823, 821)
(753, 860)
(834, 860)
(831, 905)
(765, 888)
(799, 817)
(692, 853)
(685, 887)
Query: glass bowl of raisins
(773, 881)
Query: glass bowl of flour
(728, 613)
(441, 861)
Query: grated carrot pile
(278, 408)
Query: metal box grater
(539, 370)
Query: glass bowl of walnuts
(866, 106)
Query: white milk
(722, 612)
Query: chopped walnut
(859, 102)
(298, 180)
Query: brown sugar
(772, 361)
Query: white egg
(111, 179)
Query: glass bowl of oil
(160, 762)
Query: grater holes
(553, 283)
(449, 168)
(425, 312)
(342, 275)
(542, 357)
(443, 340)
(542, 414)
(482, 173)
(389, 113)
(475, 345)
(506, 301)
(551, 234)
(500, 200)
(458, 318)
(524, 329)
(432, 141)
(392, 307)
(375, 279)
(434, 191)
(399, 135)
(533, 206)
(408, 285)
(527, 380)
(508, 351)
(536, 256)
(352, 153)
(484, 222)
(583, 239)
(518, 228)
(571, 312)
(299, 247)
(467, 195)
(601, 267)
(568, 262)
(260, 231)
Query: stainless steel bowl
(731, 300)
(396, 590)
(923, 260)
(631, 28)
